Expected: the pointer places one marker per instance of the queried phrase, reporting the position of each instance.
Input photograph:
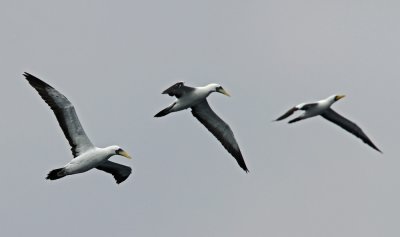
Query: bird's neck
(328, 102)
(206, 90)
(108, 151)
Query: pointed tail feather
(56, 174)
(296, 119)
(164, 111)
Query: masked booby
(323, 108)
(86, 155)
(196, 99)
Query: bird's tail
(165, 111)
(56, 174)
(296, 119)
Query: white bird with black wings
(196, 99)
(323, 108)
(86, 155)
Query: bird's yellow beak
(222, 91)
(338, 97)
(124, 154)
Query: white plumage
(86, 155)
(196, 99)
(323, 108)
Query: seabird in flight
(196, 99)
(86, 155)
(323, 108)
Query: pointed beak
(222, 91)
(124, 154)
(338, 97)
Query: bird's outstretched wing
(294, 109)
(349, 126)
(178, 90)
(220, 130)
(65, 114)
(120, 172)
(287, 114)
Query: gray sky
(112, 59)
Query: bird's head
(119, 151)
(338, 97)
(333, 98)
(218, 88)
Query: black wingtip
(372, 145)
(170, 90)
(377, 149)
(56, 174)
(34, 81)
(28, 76)
(160, 114)
(241, 163)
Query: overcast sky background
(112, 59)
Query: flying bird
(196, 99)
(86, 155)
(323, 108)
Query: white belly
(85, 162)
(189, 100)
